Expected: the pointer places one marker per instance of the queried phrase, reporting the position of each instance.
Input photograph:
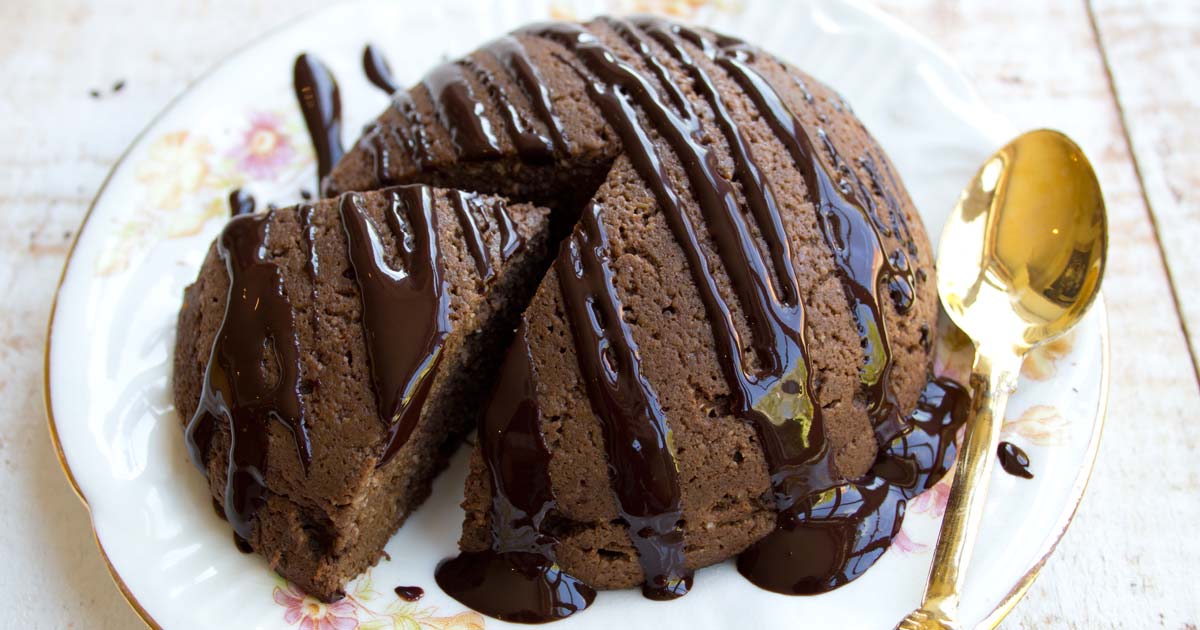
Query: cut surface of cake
(330, 356)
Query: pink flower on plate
(264, 148)
(907, 545)
(312, 614)
(933, 500)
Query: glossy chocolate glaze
(319, 99)
(518, 578)
(238, 392)
(510, 241)
(403, 355)
(775, 398)
(411, 135)
(465, 208)
(461, 111)
(378, 71)
(829, 530)
(240, 202)
(1014, 460)
(406, 311)
(832, 536)
(513, 57)
(531, 145)
(537, 134)
(308, 231)
(643, 468)
(409, 593)
(848, 231)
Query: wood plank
(1153, 49)
(1126, 561)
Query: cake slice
(330, 357)
(512, 118)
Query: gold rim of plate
(993, 620)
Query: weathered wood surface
(1130, 560)
(1153, 51)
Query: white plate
(109, 351)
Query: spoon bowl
(1022, 254)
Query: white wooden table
(1117, 75)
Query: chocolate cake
(330, 356)
(729, 356)
(732, 344)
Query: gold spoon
(1020, 262)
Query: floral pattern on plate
(186, 175)
(1043, 425)
(360, 610)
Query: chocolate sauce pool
(409, 593)
(1013, 460)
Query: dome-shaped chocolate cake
(730, 353)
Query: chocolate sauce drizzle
(636, 438)
(258, 333)
(531, 145)
(518, 577)
(254, 373)
(457, 107)
(512, 56)
(459, 110)
(239, 389)
(830, 537)
(378, 138)
(242, 544)
(829, 530)
(465, 207)
(510, 240)
(406, 311)
(1014, 460)
(378, 72)
(317, 92)
(240, 202)
(775, 398)
(308, 232)
(848, 232)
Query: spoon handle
(993, 378)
